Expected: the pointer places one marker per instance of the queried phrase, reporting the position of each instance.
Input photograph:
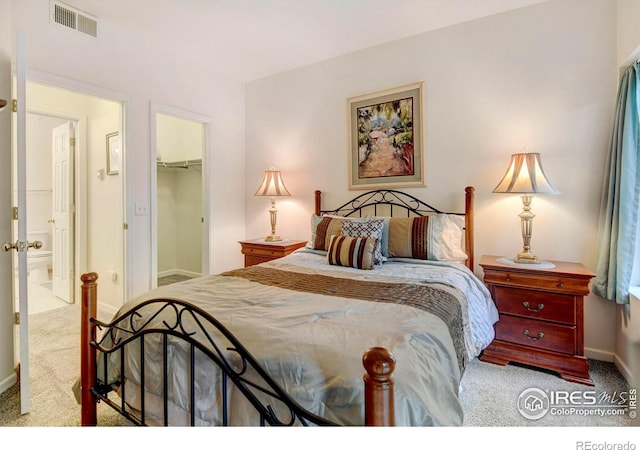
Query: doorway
(65, 213)
(83, 120)
(180, 248)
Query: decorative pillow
(371, 228)
(435, 237)
(409, 237)
(453, 238)
(322, 228)
(352, 251)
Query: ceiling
(251, 39)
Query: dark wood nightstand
(541, 316)
(257, 251)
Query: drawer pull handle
(561, 284)
(540, 306)
(537, 338)
(508, 278)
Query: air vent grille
(74, 19)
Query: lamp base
(526, 258)
(273, 238)
(538, 266)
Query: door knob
(8, 246)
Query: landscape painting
(386, 139)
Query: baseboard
(186, 273)
(600, 355)
(8, 382)
(626, 372)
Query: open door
(21, 245)
(63, 212)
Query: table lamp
(525, 176)
(272, 186)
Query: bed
(372, 323)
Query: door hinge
(16, 318)
(125, 226)
(14, 105)
(72, 141)
(14, 212)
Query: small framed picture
(113, 153)
(385, 139)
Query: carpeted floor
(489, 392)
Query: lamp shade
(272, 185)
(525, 176)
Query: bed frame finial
(378, 387)
(88, 352)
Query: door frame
(125, 101)
(80, 162)
(207, 207)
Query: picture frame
(385, 138)
(113, 153)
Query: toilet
(39, 260)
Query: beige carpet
(489, 392)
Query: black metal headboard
(390, 200)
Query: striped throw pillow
(409, 238)
(371, 228)
(322, 228)
(352, 251)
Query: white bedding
(312, 344)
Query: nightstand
(257, 251)
(541, 316)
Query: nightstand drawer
(261, 251)
(536, 304)
(537, 334)
(546, 282)
(257, 251)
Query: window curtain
(620, 197)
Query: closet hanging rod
(180, 164)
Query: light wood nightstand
(541, 316)
(257, 251)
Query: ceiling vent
(74, 19)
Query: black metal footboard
(140, 350)
(153, 356)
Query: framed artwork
(385, 138)
(113, 153)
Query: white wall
(178, 139)
(543, 76)
(119, 61)
(628, 31)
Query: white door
(63, 211)
(20, 246)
